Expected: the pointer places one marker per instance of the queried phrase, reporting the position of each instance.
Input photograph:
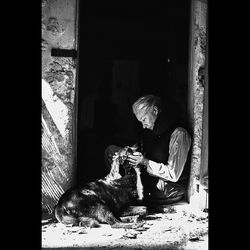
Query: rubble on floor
(175, 227)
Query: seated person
(162, 151)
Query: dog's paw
(88, 223)
(112, 176)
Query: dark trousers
(169, 191)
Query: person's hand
(122, 152)
(135, 158)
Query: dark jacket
(155, 144)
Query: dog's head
(120, 158)
(123, 155)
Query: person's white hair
(146, 103)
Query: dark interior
(127, 49)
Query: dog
(103, 200)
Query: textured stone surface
(58, 91)
(44, 44)
(198, 56)
(54, 27)
(44, 2)
(60, 75)
(58, 23)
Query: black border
(21, 118)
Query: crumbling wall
(58, 98)
(198, 46)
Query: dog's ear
(134, 147)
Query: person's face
(148, 118)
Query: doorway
(126, 49)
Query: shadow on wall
(106, 118)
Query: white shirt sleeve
(179, 146)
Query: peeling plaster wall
(198, 44)
(58, 99)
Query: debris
(82, 232)
(107, 234)
(142, 229)
(138, 225)
(130, 235)
(170, 210)
(194, 239)
(171, 229)
(168, 229)
(202, 219)
(69, 225)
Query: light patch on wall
(57, 109)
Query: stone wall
(58, 98)
(198, 47)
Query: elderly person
(163, 151)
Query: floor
(175, 227)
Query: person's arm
(179, 146)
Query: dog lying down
(103, 200)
